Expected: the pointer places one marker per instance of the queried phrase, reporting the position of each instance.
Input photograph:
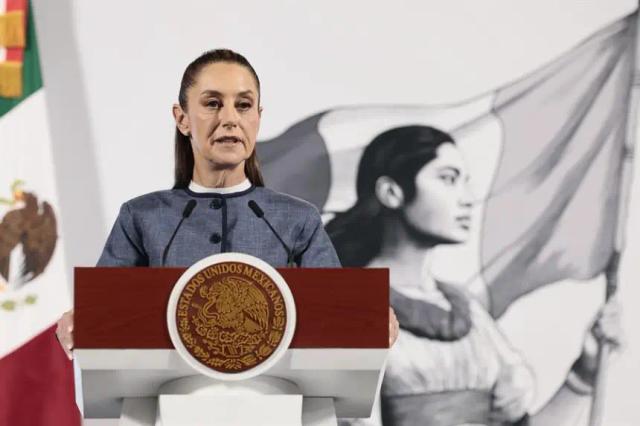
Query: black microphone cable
(186, 212)
(260, 214)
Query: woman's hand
(606, 329)
(394, 327)
(64, 333)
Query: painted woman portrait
(451, 364)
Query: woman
(216, 175)
(451, 365)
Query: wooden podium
(333, 367)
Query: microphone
(260, 214)
(186, 212)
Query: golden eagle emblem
(231, 316)
(28, 236)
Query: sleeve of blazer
(313, 248)
(124, 246)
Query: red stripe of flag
(36, 385)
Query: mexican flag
(36, 378)
(545, 154)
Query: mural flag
(544, 153)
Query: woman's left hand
(394, 327)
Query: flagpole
(604, 349)
(613, 267)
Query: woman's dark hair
(184, 161)
(398, 153)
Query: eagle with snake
(234, 303)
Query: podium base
(202, 385)
(237, 410)
(199, 400)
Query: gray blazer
(219, 223)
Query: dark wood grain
(126, 307)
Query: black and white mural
(483, 151)
(474, 206)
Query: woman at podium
(219, 202)
(451, 364)
(216, 176)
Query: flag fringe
(12, 29)
(10, 79)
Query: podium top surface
(125, 308)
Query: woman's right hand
(64, 333)
(606, 328)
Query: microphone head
(256, 208)
(189, 208)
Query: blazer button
(215, 238)
(216, 203)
